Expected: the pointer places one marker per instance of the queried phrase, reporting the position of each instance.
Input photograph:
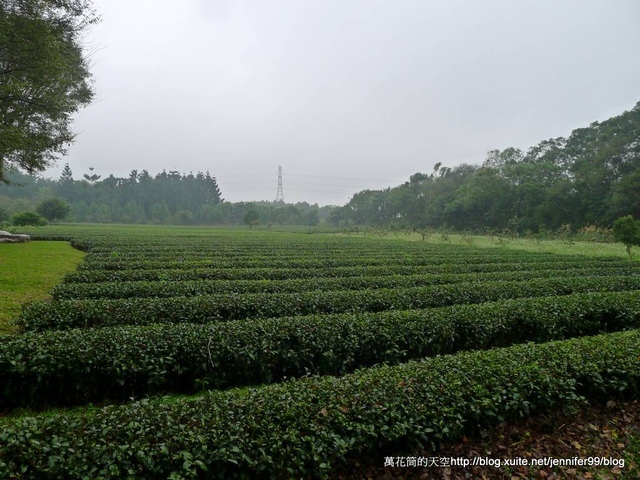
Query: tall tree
(44, 79)
(66, 176)
(53, 209)
(627, 230)
(93, 177)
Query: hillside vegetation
(591, 177)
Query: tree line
(166, 198)
(590, 178)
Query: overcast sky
(344, 94)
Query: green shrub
(53, 209)
(80, 366)
(4, 216)
(28, 218)
(163, 288)
(290, 259)
(64, 314)
(302, 428)
(190, 272)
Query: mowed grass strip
(28, 272)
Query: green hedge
(199, 273)
(322, 246)
(305, 427)
(163, 289)
(64, 314)
(290, 260)
(80, 366)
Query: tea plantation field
(210, 353)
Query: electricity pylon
(280, 194)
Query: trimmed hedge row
(277, 245)
(80, 366)
(214, 245)
(181, 274)
(64, 314)
(264, 253)
(305, 427)
(163, 289)
(57, 237)
(292, 261)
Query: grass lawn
(28, 271)
(560, 247)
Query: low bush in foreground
(79, 366)
(304, 427)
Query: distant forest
(166, 198)
(588, 179)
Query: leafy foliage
(304, 427)
(28, 218)
(176, 287)
(63, 314)
(195, 271)
(165, 198)
(626, 230)
(347, 312)
(590, 178)
(45, 79)
(53, 209)
(251, 218)
(80, 366)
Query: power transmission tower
(280, 195)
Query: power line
(315, 191)
(296, 182)
(245, 175)
(345, 178)
(256, 182)
(308, 175)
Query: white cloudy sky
(344, 94)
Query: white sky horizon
(345, 96)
